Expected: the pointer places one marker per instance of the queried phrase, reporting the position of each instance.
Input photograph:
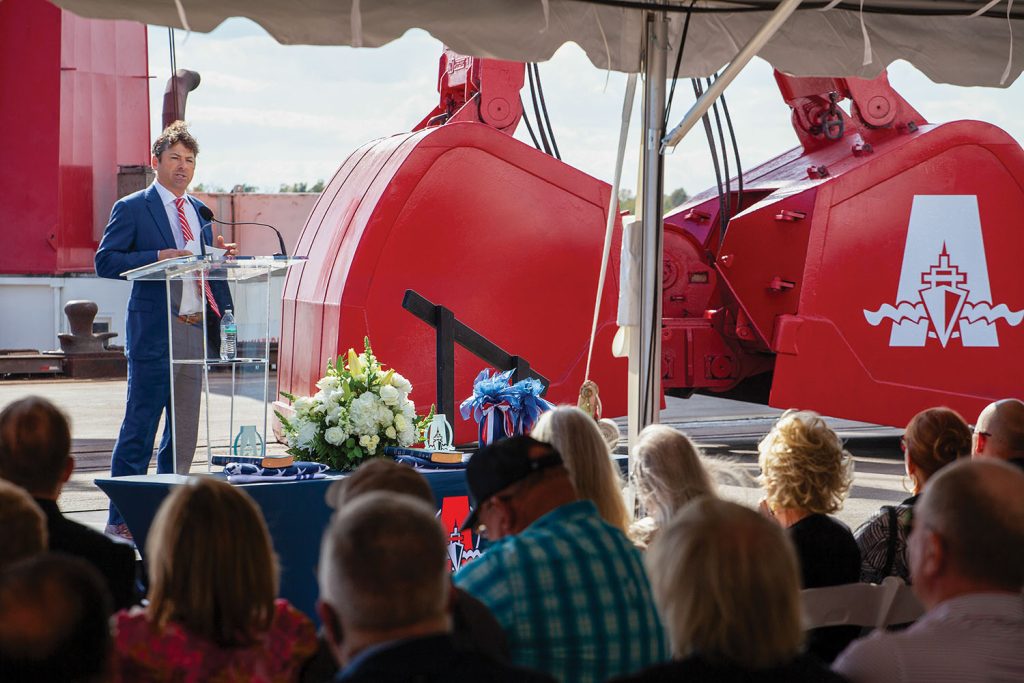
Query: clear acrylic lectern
(227, 397)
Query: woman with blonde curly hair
(595, 475)
(668, 473)
(933, 439)
(806, 474)
(212, 612)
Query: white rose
(400, 422)
(389, 394)
(364, 441)
(302, 404)
(391, 433)
(335, 436)
(401, 383)
(328, 384)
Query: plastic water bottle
(228, 336)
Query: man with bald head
(966, 554)
(999, 432)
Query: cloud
(266, 113)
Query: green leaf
(285, 422)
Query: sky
(267, 114)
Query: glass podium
(226, 399)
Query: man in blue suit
(152, 225)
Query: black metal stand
(451, 332)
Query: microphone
(207, 215)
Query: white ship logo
(956, 301)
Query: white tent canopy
(939, 37)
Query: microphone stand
(207, 214)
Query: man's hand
(172, 253)
(231, 247)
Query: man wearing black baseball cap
(568, 588)
(505, 463)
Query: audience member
(805, 474)
(933, 439)
(586, 455)
(668, 473)
(568, 587)
(22, 525)
(473, 625)
(212, 583)
(35, 454)
(727, 586)
(384, 586)
(1000, 432)
(379, 474)
(54, 612)
(967, 562)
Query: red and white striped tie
(186, 232)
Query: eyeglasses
(481, 527)
(987, 435)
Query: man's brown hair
(35, 443)
(172, 135)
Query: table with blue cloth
(297, 514)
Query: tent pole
(647, 405)
(743, 57)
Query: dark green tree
(677, 197)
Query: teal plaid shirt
(571, 593)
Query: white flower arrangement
(359, 410)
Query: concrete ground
(725, 429)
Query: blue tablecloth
(296, 514)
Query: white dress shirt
(977, 637)
(168, 197)
(191, 297)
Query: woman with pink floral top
(212, 613)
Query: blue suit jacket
(137, 231)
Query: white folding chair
(861, 604)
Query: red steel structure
(507, 237)
(868, 274)
(76, 107)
